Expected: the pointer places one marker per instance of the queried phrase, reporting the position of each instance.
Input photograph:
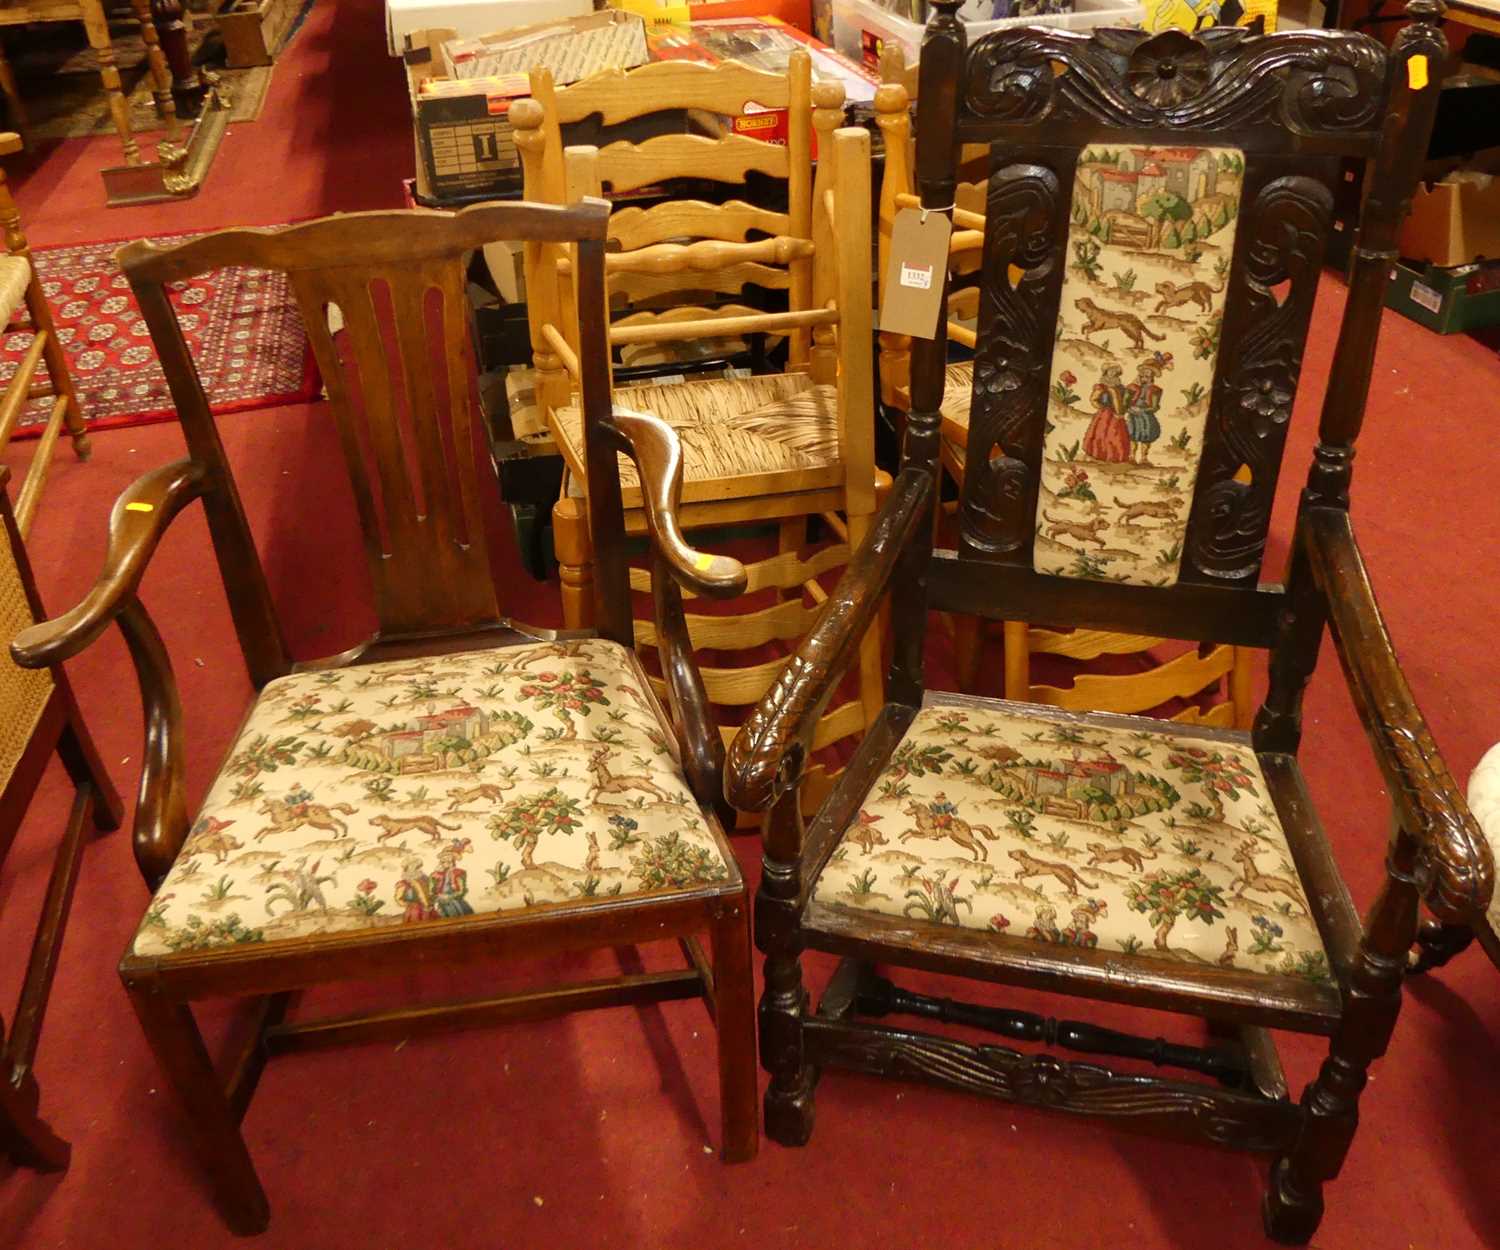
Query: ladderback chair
(1175, 867)
(458, 789)
(21, 288)
(1096, 670)
(39, 719)
(774, 448)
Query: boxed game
(1465, 297)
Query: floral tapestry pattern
(1119, 834)
(1149, 246)
(418, 790)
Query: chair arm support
(657, 452)
(141, 515)
(771, 751)
(1456, 868)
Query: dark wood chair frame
(1295, 104)
(435, 594)
(59, 731)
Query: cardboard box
(796, 13)
(470, 17)
(1466, 297)
(464, 145)
(1454, 222)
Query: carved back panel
(382, 297)
(1165, 200)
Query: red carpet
(592, 1131)
(242, 325)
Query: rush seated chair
(39, 719)
(456, 790)
(21, 289)
(1165, 866)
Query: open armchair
(457, 789)
(1168, 866)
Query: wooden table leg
(96, 28)
(161, 77)
(188, 85)
(12, 94)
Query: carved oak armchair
(458, 789)
(1110, 857)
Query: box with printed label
(1464, 297)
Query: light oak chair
(459, 789)
(1178, 868)
(39, 719)
(776, 448)
(20, 287)
(1102, 670)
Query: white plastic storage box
(862, 27)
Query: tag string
(943, 208)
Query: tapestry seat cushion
(738, 435)
(1111, 833)
(413, 791)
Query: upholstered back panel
(1150, 239)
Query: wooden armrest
(140, 517)
(1457, 868)
(657, 452)
(768, 756)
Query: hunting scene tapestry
(1149, 246)
(1118, 833)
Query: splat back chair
(21, 288)
(458, 789)
(1094, 670)
(39, 719)
(775, 448)
(1166, 866)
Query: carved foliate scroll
(1275, 285)
(1309, 82)
(1023, 216)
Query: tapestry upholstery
(1484, 802)
(1109, 832)
(416, 790)
(733, 430)
(1149, 246)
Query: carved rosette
(1310, 82)
(1010, 371)
(1283, 236)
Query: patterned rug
(242, 326)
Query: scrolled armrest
(1455, 863)
(657, 452)
(768, 756)
(141, 515)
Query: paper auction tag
(1416, 72)
(914, 281)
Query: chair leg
(575, 561)
(24, 1136)
(734, 1007)
(1437, 944)
(12, 93)
(173, 1036)
(96, 28)
(789, 1097)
